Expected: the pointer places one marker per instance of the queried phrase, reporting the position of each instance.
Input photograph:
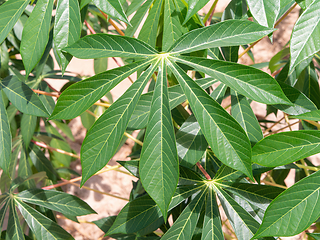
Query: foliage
(196, 156)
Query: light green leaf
(5, 137)
(193, 7)
(248, 81)
(112, 8)
(103, 138)
(186, 223)
(212, 229)
(139, 118)
(64, 128)
(264, 11)
(224, 134)
(223, 34)
(41, 226)
(81, 95)
(10, 11)
(35, 34)
(67, 28)
(28, 126)
(56, 201)
(286, 147)
(294, 210)
(243, 113)
(24, 171)
(148, 32)
(14, 230)
(313, 116)
(159, 166)
(63, 159)
(305, 35)
(100, 65)
(105, 45)
(191, 143)
(22, 97)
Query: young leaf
(81, 95)
(5, 137)
(304, 39)
(41, 226)
(223, 34)
(10, 11)
(286, 147)
(294, 210)
(193, 7)
(103, 138)
(264, 11)
(248, 81)
(14, 230)
(22, 97)
(226, 137)
(159, 166)
(112, 8)
(105, 45)
(35, 34)
(185, 225)
(67, 28)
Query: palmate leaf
(14, 230)
(112, 8)
(304, 39)
(264, 11)
(56, 201)
(81, 95)
(103, 138)
(159, 166)
(286, 147)
(10, 11)
(226, 137)
(22, 97)
(105, 45)
(294, 210)
(41, 226)
(223, 34)
(35, 34)
(67, 28)
(185, 225)
(5, 137)
(248, 81)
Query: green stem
(307, 167)
(210, 11)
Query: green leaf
(313, 116)
(64, 159)
(316, 236)
(41, 226)
(191, 143)
(64, 128)
(100, 65)
(10, 11)
(193, 7)
(186, 223)
(28, 126)
(139, 118)
(105, 45)
(24, 171)
(248, 81)
(112, 8)
(35, 34)
(14, 230)
(103, 138)
(159, 166)
(304, 38)
(67, 28)
(148, 32)
(81, 95)
(226, 137)
(224, 34)
(264, 11)
(294, 210)
(212, 229)
(5, 137)
(56, 201)
(242, 112)
(22, 97)
(4, 207)
(286, 147)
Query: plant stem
(89, 27)
(313, 123)
(287, 121)
(203, 171)
(268, 129)
(208, 17)
(113, 24)
(137, 141)
(282, 128)
(307, 167)
(285, 15)
(274, 184)
(305, 170)
(248, 48)
(40, 144)
(102, 104)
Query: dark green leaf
(28, 126)
(316, 236)
(286, 147)
(112, 8)
(193, 7)
(5, 137)
(313, 116)
(14, 230)
(5, 202)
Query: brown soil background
(120, 184)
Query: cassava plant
(193, 159)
